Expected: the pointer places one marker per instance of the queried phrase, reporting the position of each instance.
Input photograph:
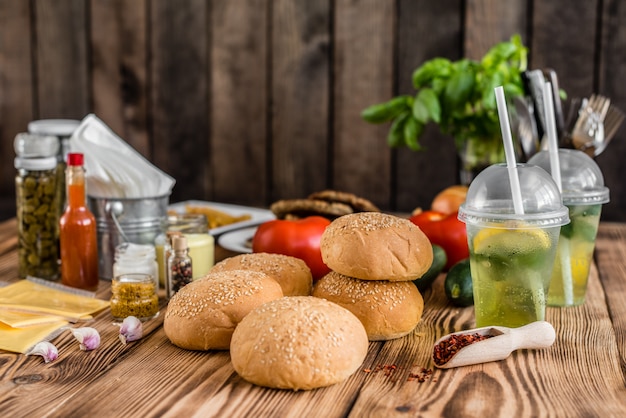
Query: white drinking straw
(508, 151)
(555, 169)
(553, 146)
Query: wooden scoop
(504, 340)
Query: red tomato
(446, 231)
(299, 239)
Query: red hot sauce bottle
(77, 234)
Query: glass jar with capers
(61, 130)
(37, 217)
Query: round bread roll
(203, 314)
(387, 310)
(291, 273)
(298, 342)
(376, 246)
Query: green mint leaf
(412, 130)
(426, 106)
(384, 112)
(395, 138)
(430, 70)
(459, 89)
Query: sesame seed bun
(291, 273)
(204, 313)
(387, 310)
(376, 246)
(298, 342)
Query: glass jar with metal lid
(37, 217)
(61, 130)
(135, 258)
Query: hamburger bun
(298, 342)
(204, 313)
(387, 310)
(291, 273)
(376, 246)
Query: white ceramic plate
(257, 216)
(239, 241)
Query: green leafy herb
(458, 96)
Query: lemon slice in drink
(510, 242)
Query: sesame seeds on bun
(291, 273)
(387, 309)
(298, 342)
(204, 314)
(376, 246)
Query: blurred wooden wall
(249, 101)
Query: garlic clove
(131, 329)
(88, 337)
(45, 349)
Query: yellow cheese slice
(19, 340)
(16, 319)
(27, 296)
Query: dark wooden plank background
(249, 101)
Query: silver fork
(612, 122)
(588, 133)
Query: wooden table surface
(582, 374)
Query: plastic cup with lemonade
(512, 254)
(583, 193)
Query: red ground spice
(421, 376)
(447, 348)
(389, 369)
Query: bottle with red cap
(78, 236)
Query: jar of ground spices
(179, 267)
(134, 294)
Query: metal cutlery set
(590, 125)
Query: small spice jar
(200, 244)
(134, 294)
(179, 267)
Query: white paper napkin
(113, 168)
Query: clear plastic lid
(56, 127)
(581, 179)
(27, 145)
(489, 200)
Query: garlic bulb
(88, 337)
(131, 329)
(46, 350)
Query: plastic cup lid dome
(489, 201)
(582, 182)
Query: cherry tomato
(300, 238)
(446, 231)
